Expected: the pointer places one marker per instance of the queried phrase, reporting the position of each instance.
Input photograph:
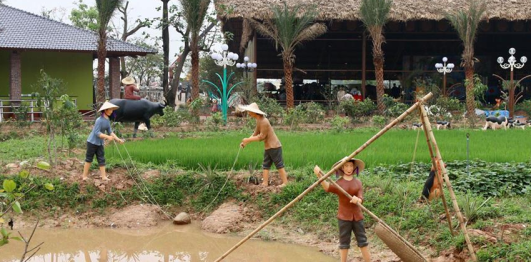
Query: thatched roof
(402, 10)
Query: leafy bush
(379, 121)
(356, 109)
(214, 121)
(313, 112)
(21, 115)
(70, 121)
(340, 123)
(272, 108)
(294, 117)
(524, 106)
(173, 118)
(396, 109)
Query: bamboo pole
(329, 173)
(434, 162)
(382, 223)
(448, 183)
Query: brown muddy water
(165, 243)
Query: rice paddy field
(325, 148)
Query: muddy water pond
(164, 243)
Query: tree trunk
(123, 71)
(172, 96)
(195, 71)
(380, 92)
(470, 106)
(378, 39)
(288, 70)
(102, 53)
(165, 45)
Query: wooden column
(114, 77)
(15, 76)
(363, 65)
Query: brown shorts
(345, 232)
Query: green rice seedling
(325, 148)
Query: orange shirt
(348, 211)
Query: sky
(137, 9)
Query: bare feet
(264, 184)
(85, 178)
(282, 185)
(105, 179)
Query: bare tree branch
(27, 243)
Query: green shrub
(524, 106)
(215, 121)
(396, 109)
(379, 121)
(340, 123)
(449, 105)
(356, 109)
(313, 112)
(272, 108)
(294, 117)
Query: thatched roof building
(417, 37)
(402, 10)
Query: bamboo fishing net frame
(441, 169)
(416, 106)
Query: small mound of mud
(227, 218)
(135, 216)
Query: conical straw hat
(108, 105)
(128, 81)
(357, 164)
(253, 108)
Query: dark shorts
(273, 155)
(98, 151)
(345, 232)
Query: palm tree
(106, 9)
(289, 27)
(374, 14)
(194, 12)
(466, 23)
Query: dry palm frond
(375, 12)
(466, 23)
(247, 32)
(309, 33)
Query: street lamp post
(247, 68)
(222, 57)
(444, 69)
(511, 63)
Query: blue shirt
(102, 124)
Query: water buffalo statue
(136, 111)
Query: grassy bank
(390, 192)
(325, 148)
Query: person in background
(130, 88)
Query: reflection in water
(167, 243)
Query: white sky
(137, 9)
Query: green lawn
(325, 148)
